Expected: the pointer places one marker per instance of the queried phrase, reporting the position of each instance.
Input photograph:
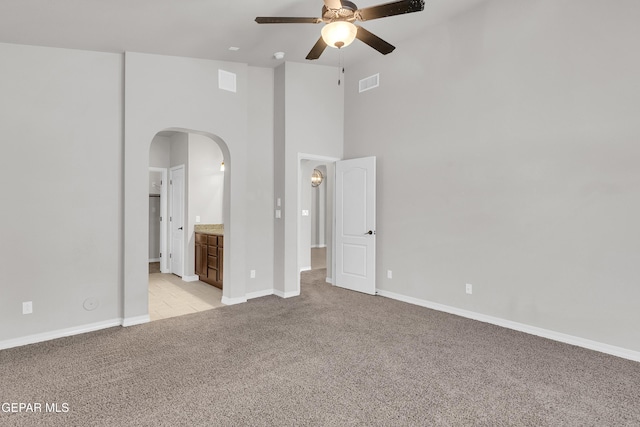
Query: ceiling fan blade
(389, 9)
(374, 41)
(317, 49)
(286, 20)
(333, 4)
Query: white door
(356, 224)
(176, 219)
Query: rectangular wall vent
(226, 80)
(369, 82)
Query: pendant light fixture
(316, 178)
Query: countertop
(210, 229)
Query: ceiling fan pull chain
(340, 66)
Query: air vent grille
(226, 81)
(370, 82)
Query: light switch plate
(27, 307)
(278, 213)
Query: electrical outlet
(469, 288)
(197, 218)
(389, 274)
(252, 273)
(27, 307)
(278, 213)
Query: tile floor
(169, 296)
(318, 258)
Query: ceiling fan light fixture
(339, 34)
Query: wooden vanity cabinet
(209, 254)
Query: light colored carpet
(327, 357)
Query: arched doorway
(191, 199)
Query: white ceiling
(201, 28)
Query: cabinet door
(220, 265)
(201, 260)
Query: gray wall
(307, 98)
(63, 114)
(159, 152)
(61, 129)
(507, 146)
(260, 172)
(197, 106)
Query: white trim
(193, 278)
(259, 294)
(170, 214)
(329, 280)
(52, 335)
(233, 301)
(286, 294)
(533, 330)
(318, 246)
(154, 260)
(136, 320)
(305, 268)
(164, 247)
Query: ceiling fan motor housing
(346, 13)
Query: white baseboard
(318, 246)
(166, 270)
(305, 268)
(233, 301)
(286, 294)
(67, 332)
(154, 259)
(190, 278)
(258, 294)
(329, 280)
(136, 320)
(533, 330)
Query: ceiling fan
(340, 30)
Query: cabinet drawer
(212, 274)
(201, 238)
(213, 240)
(212, 262)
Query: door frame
(182, 211)
(164, 260)
(330, 214)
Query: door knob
(370, 232)
(180, 228)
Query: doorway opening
(318, 217)
(186, 195)
(315, 219)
